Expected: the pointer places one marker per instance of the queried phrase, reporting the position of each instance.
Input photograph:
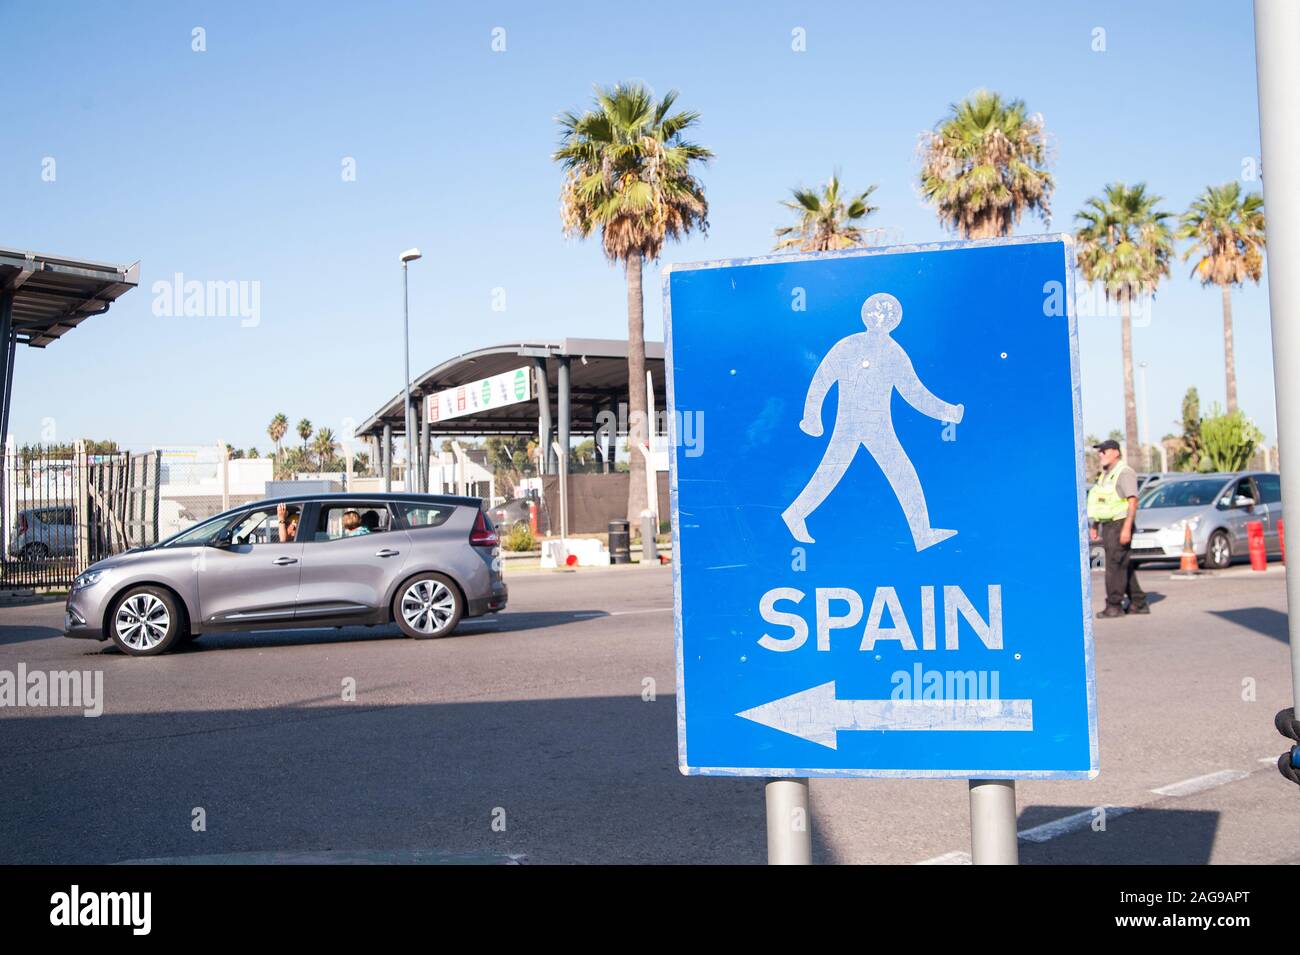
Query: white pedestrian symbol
(868, 366)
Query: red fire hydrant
(1255, 543)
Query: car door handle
(386, 552)
(285, 561)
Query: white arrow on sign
(816, 715)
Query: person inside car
(288, 524)
(352, 525)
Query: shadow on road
(1141, 837)
(26, 633)
(261, 639)
(1265, 620)
(571, 780)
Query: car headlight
(1191, 522)
(88, 579)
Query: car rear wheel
(1218, 552)
(428, 605)
(145, 622)
(36, 552)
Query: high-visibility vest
(1104, 504)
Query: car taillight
(483, 534)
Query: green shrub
(519, 538)
(1227, 441)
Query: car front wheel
(1218, 552)
(145, 622)
(428, 606)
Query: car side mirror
(222, 540)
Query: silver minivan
(424, 562)
(1217, 507)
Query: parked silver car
(43, 532)
(327, 560)
(1217, 507)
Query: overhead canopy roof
(53, 295)
(597, 379)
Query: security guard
(1112, 507)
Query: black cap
(1110, 444)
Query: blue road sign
(880, 548)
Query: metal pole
(1277, 65)
(651, 476)
(543, 416)
(564, 496)
(1146, 437)
(411, 464)
(993, 822)
(426, 450)
(9, 341)
(789, 827)
(386, 456)
(562, 417)
(225, 473)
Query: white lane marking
(1071, 823)
(1198, 784)
(949, 858)
(1079, 820)
(1268, 759)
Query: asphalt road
(527, 737)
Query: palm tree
(276, 430)
(826, 220)
(1125, 244)
(629, 172)
(985, 164)
(1228, 232)
(304, 432)
(325, 447)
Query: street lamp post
(410, 255)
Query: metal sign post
(993, 822)
(851, 596)
(789, 827)
(1277, 62)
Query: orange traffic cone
(1188, 565)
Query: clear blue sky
(225, 165)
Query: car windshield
(199, 534)
(1203, 491)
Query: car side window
(1246, 488)
(424, 515)
(262, 526)
(351, 519)
(1270, 488)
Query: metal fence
(62, 510)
